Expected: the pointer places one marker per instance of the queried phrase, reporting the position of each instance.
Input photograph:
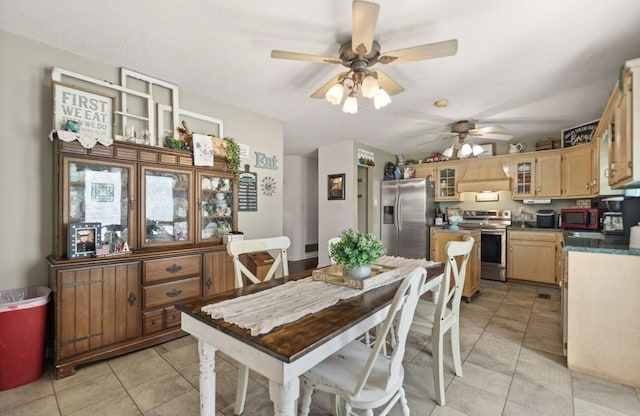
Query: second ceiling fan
(362, 52)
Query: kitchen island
(601, 309)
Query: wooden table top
(289, 341)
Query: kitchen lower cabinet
(438, 241)
(534, 256)
(108, 307)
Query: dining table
(290, 349)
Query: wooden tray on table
(334, 274)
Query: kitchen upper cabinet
(536, 176)
(447, 176)
(622, 168)
(578, 179)
(533, 255)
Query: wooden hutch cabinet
(168, 213)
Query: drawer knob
(209, 283)
(174, 268)
(132, 298)
(173, 293)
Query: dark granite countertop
(594, 242)
(529, 226)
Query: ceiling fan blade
(417, 53)
(441, 138)
(320, 92)
(487, 129)
(493, 136)
(304, 57)
(365, 18)
(387, 84)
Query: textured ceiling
(534, 67)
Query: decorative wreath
(268, 186)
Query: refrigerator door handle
(399, 213)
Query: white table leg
(284, 397)
(207, 379)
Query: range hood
(484, 174)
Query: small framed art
(83, 239)
(336, 186)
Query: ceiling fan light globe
(466, 150)
(448, 152)
(381, 99)
(335, 93)
(350, 105)
(370, 86)
(477, 150)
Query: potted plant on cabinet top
(356, 252)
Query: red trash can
(23, 320)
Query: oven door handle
(493, 232)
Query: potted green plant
(233, 156)
(356, 252)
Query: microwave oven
(580, 218)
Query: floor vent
(311, 248)
(544, 296)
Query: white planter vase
(359, 272)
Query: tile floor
(513, 365)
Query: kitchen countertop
(594, 242)
(529, 226)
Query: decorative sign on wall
(365, 158)
(579, 134)
(248, 190)
(265, 162)
(82, 111)
(244, 151)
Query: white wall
(335, 216)
(300, 205)
(26, 160)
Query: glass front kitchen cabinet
(217, 208)
(167, 207)
(98, 192)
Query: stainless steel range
(493, 230)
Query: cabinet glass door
(167, 207)
(524, 177)
(96, 192)
(217, 210)
(447, 184)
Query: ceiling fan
(464, 129)
(362, 52)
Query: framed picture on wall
(83, 239)
(336, 186)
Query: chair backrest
(456, 265)
(237, 247)
(331, 242)
(401, 313)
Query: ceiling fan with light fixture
(464, 130)
(359, 55)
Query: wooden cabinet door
(532, 259)
(96, 307)
(523, 177)
(576, 171)
(446, 184)
(218, 273)
(621, 145)
(548, 175)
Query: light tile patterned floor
(510, 342)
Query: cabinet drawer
(172, 317)
(171, 292)
(532, 236)
(153, 321)
(171, 268)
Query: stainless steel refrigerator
(408, 207)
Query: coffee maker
(611, 219)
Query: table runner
(262, 311)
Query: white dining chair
(331, 242)
(435, 319)
(235, 249)
(362, 376)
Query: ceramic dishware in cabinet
(217, 209)
(167, 207)
(98, 192)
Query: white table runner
(262, 311)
